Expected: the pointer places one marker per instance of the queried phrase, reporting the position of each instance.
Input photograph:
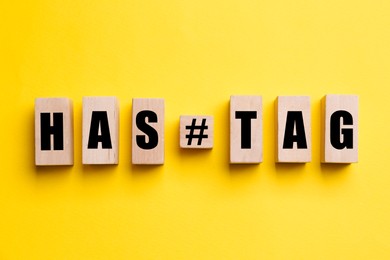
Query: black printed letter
(57, 130)
(335, 133)
(294, 118)
(246, 133)
(147, 129)
(99, 118)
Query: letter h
(56, 130)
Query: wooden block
(340, 133)
(197, 132)
(293, 124)
(53, 131)
(246, 129)
(148, 131)
(100, 130)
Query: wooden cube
(100, 130)
(293, 124)
(53, 131)
(148, 131)
(196, 132)
(246, 129)
(340, 133)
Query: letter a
(100, 130)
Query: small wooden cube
(246, 129)
(148, 131)
(53, 131)
(100, 130)
(340, 133)
(197, 132)
(293, 124)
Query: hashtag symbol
(196, 132)
(194, 127)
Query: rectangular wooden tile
(53, 131)
(246, 129)
(196, 132)
(100, 130)
(340, 133)
(293, 125)
(148, 131)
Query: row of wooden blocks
(100, 130)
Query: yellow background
(195, 54)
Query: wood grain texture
(62, 106)
(246, 147)
(101, 154)
(199, 121)
(155, 155)
(331, 105)
(284, 105)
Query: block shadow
(140, 171)
(334, 170)
(236, 170)
(101, 169)
(52, 170)
(289, 168)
